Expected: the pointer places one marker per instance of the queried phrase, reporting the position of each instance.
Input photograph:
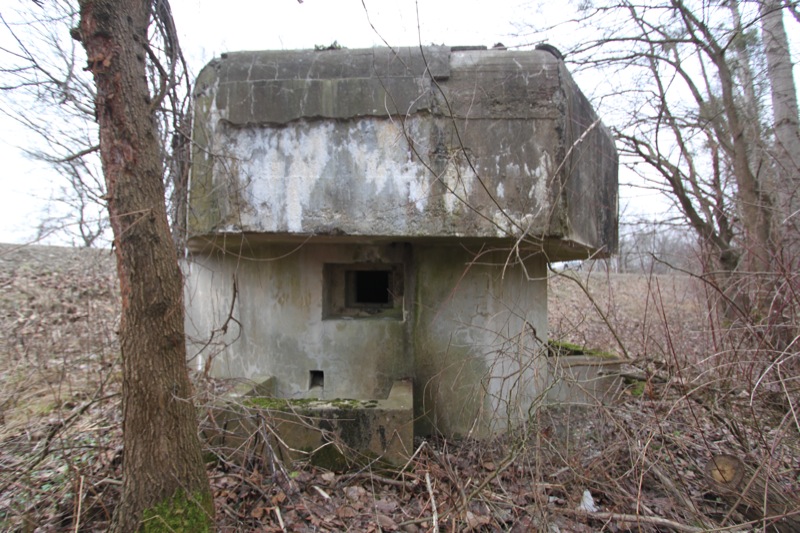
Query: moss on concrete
(344, 403)
(282, 404)
(321, 429)
(179, 514)
(562, 348)
(263, 402)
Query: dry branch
(632, 518)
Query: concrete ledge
(333, 434)
(582, 379)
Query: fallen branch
(408, 485)
(632, 518)
(280, 518)
(435, 519)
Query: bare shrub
(694, 386)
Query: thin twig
(598, 310)
(80, 501)
(321, 492)
(435, 518)
(408, 485)
(280, 518)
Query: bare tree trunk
(164, 482)
(740, 59)
(756, 204)
(785, 114)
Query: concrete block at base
(258, 386)
(582, 379)
(333, 434)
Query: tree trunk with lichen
(165, 486)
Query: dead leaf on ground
(386, 523)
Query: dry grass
(60, 433)
(695, 388)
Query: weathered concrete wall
(476, 143)
(468, 335)
(479, 324)
(591, 189)
(279, 328)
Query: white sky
(209, 27)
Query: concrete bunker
(361, 221)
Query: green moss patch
(636, 387)
(181, 513)
(263, 402)
(562, 349)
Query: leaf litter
(641, 459)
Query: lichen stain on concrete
(542, 175)
(288, 164)
(458, 182)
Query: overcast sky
(209, 27)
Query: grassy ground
(694, 388)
